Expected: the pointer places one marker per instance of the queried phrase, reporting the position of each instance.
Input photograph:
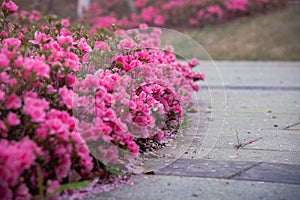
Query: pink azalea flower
(10, 6)
(147, 14)
(65, 22)
(160, 136)
(65, 40)
(127, 44)
(35, 108)
(84, 46)
(142, 121)
(13, 102)
(215, 10)
(193, 21)
(11, 168)
(22, 192)
(143, 26)
(5, 192)
(12, 119)
(159, 20)
(109, 155)
(4, 77)
(3, 34)
(101, 45)
(39, 38)
(4, 61)
(2, 95)
(71, 79)
(201, 14)
(133, 147)
(199, 76)
(52, 185)
(140, 3)
(12, 42)
(37, 65)
(72, 61)
(64, 166)
(65, 32)
(66, 96)
(193, 62)
(34, 16)
(3, 128)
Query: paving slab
(255, 171)
(252, 74)
(254, 155)
(249, 101)
(243, 122)
(272, 172)
(179, 188)
(206, 168)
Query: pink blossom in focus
(66, 96)
(11, 167)
(38, 66)
(35, 108)
(72, 61)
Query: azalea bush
(74, 101)
(174, 13)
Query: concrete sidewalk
(243, 141)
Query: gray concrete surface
(243, 141)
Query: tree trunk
(131, 6)
(82, 6)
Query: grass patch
(275, 36)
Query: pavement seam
(261, 88)
(259, 149)
(243, 170)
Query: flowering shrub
(175, 12)
(63, 88)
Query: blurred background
(228, 30)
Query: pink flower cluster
(9, 6)
(140, 95)
(51, 112)
(37, 129)
(16, 158)
(175, 12)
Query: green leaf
(41, 187)
(75, 185)
(113, 170)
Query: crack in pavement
(244, 170)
